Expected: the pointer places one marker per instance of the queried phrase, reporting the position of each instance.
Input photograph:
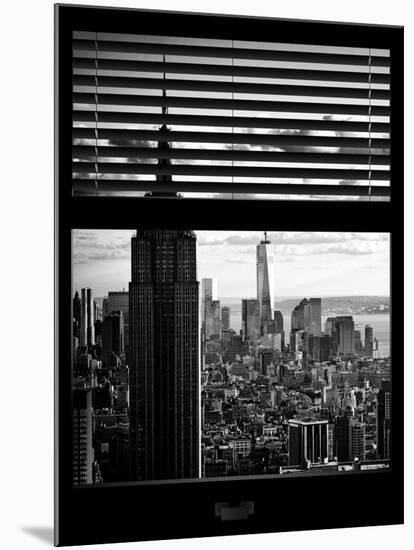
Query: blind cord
(96, 114)
(232, 119)
(369, 125)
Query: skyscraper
(384, 420)
(87, 331)
(300, 316)
(344, 335)
(341, 438)
(358, 342)
(356, 439)
(307, 316)
(330, 325)
(225, 317)
(118, 300)
(250, 319)
(315, 310)
(76, 312)
(308, 442)
(113, 335)
(83, 453)
(278, 321)
(369, 340)
(265, 281)
(210, 308)
(163, 355)
(212, 321)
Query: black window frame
(187, 508)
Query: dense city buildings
(163, 358)
(196, 392)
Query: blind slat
(228, 104)
(86, 152)
(222, 137)
(149, 111)
(230, 53)
(229, 70)
(227, 87)
(234, 121)
(124, 185)
(226, 171)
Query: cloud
(83, 257)
(324, 237)
(237, 261)
(355, 248)
(91, 240)
(293, 238)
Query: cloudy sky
(306, 264)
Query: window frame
(186, 508)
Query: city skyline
(101, 259)
(187, 394)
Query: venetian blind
(166, 115)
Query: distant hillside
(344, 304)
(331, 305)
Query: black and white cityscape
(205, 354)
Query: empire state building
(164, 357)
(264, 278)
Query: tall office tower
(225, 318)
(375, 349)
(308, 442)
(344, 335)
(358, 343)
(330, 325)
(212, 321)
(300, 316)
(265, 359)
(265, 281)
(113, 340)
(250, 319)
(319, 347)
(87, 332)
(76, 312)
(384, 421)
(278, 321)
(295, 341)
(369, 339)
(83, 454)
(105, 306)
(356, 439)
(341, 438)
(119, 301)
(97, 312)
(163, 355)
(208, 295)
(315, 312)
